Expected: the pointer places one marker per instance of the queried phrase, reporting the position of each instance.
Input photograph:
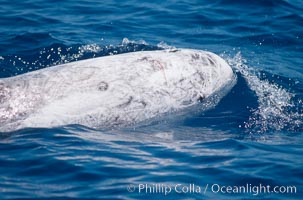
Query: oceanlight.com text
(167, 189)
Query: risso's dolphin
(113, 90)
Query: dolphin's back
(111, 90)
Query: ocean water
(251, 139)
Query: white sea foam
(277, 109)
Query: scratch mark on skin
(128, 102)
(155, 64)
(143, 103)
(161, 68)
(145, 58)
(210, 59)
(195, 56)
(173, 50)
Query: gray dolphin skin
(112, 90)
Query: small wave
(278, 109)
(57, 53)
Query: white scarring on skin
(112, 90)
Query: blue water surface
(252, 137)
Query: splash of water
(164, 45)
(277, 108)
(126, 41)
(57, 54)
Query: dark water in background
(253, 136)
